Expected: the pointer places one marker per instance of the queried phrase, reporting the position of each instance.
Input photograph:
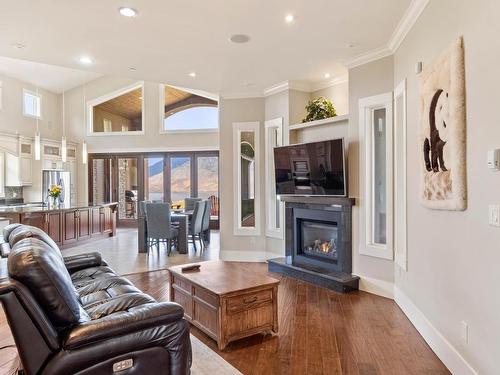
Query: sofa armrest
(125, 322)
(77, 262)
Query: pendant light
(84, 145)
(64, 148)
(37, 136)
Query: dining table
(176, 216)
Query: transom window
(32, 104)
(183, 111)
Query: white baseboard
(244, 256)
(376, 286)
(438, 343)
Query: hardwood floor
(320, 332)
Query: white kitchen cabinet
(52, 164)
(71, 166)
(18, 170)
(2, 175)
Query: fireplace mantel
(318, 199)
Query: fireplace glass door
(319, 239)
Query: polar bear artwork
(442, 110)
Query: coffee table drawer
(249, 300)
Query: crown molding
(242, 95)
(404, 26)
(333, 82)
(406, 23)
(304, 87)
(369, 56)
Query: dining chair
(190, 202)
(196, 223)
(205, 226)
(160, 227)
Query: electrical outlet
(494, 215)
(465, 332)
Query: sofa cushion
(8, 230)
(27, 231)
(35, 264)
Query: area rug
(208, 362)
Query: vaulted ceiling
(169, 39)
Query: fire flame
(324, 247)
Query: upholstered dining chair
(196, 223)
(160, 227)
(205, 226)
(190, 202)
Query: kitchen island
(67, 225)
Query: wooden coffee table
(226, 300)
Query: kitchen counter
(67, 225)
(28, 208)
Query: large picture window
(120, 112)
(182, 111)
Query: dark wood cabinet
(84, 221)
(70, 232)
(54, 226)
(66, 226)
(96, 221)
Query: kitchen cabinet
(67, 226)
(71, 167)
(18, 170)
(2, 175)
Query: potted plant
(55, 192)
(319, 109)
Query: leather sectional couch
(74, 315)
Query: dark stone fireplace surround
(330, 272)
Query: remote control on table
(193, 267)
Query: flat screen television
(316, 168)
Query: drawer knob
(250, 300)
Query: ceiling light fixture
(128, 12)
(239, 38)
(289, 18)
(86, 60)
(192, 74)
(327, 75)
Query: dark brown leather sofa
(74, 315)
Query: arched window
(194, 118)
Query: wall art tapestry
(443, 143)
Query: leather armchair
(74, 315)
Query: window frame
(161, 95)
(271, 215)
(238, 128)
(104, 98)
(367, 106)
(39, 106)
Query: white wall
(338, 94)
(12, 119)
(238, 247)
(454, 257)
(152, 140)
(366, 80)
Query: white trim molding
(446, 352)
(400, 178)
(406, 23)
(404, 26)
(376, 286)
(270, 126)
(367, 243)
(304, 87)
(238, 128)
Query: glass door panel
(180, 179)
(207, 177)
(127, 188)
(153, 179)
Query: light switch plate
(494, 215)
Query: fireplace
(318, 238)
(318, 242)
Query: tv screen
(311, 169)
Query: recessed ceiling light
(18, 45)
(326, 75)
(86, 60)
(192, 74)
(289, 18)
(239, 38)
(128, 12)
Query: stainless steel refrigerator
(60, 178)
